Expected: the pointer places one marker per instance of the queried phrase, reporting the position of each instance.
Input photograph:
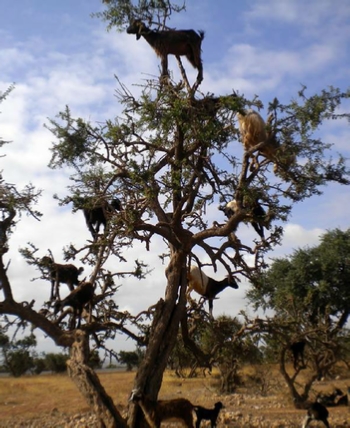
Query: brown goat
(174, 42)
(67, 274)
(206, 286)
(157, 411)
(254, 131)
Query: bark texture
(89, 384)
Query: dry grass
(28, 396)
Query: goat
(67, 274)
(206, 286)
(258, 213)
(77, 299)
(98, 213)
(297, 349)
(336, 398)
(316, 412)
(157, 411)
(208, 414)
(254, 131)
(174, 42)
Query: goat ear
(138, 35)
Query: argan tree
(169, 158)
(309, 293)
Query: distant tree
(18, 355)
(231, 347)
(95, 360)
(130, 359)
(39, 365)
(309, 294)
(56, 363)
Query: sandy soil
(52, 402)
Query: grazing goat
(316, 412)
(297, 349)
(336, 398)
(67, 274)
(98, 213)
(208, 414)
(206, 286)
(175, 42)
(77, 299)
(254, 131)
(157, 411)
(258, 213)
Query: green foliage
(308, 294)
(118, 13)
(56, 363)
(95, 360)
(311, 283)
(18, 357)
(39, 365)
(130, 358)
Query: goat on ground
(157, 411)
(208, 414)
(258, 213)
(336, 398)
(206, 286)
(297, 349)
(68, 274)
(254, 131)
(316, 412)
(77, 299)
(174, 42)
(97, 214)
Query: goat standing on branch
(206, 286)
(77, 299)
(254, 131)
(67, 274)
(174, 42)
(258, 213)
(97, 214)
(297, 349)
(157, 411)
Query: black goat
(336, 398)
(98, 213)
(297, 349)
(208, 414)
(316, 412)
(175, 42)
(77, 299)
(68, 274)
(157, 411)
(258, 213)
(206, 286)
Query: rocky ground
(239, 412)
(54, 402)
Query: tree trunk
(163, 336)
(89, 384)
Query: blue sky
(58, 55)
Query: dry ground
(53, 400)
